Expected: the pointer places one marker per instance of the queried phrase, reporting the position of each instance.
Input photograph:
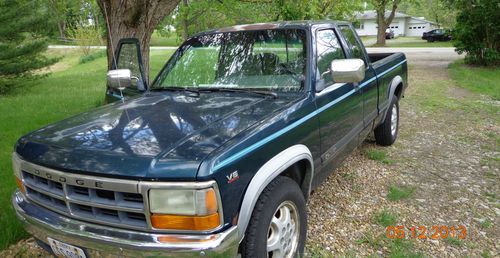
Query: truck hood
(161, 135)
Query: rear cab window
(355, 46)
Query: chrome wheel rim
(283, 231)
(394, 120)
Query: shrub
(92, 56)
(86, 37)
(477, 32)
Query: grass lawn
(156, 40)
(481, 80)
(172, 41)
(70, 89)
(369, 41)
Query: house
(402, 24)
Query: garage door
(416, 30)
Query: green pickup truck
(219, 154)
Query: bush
(477, 32)
(92, 56)
(86, 37)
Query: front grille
(118, 208)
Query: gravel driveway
(446, 156)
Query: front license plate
(64, 250)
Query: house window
(397, 27)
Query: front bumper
(99, 240)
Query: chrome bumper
(99, 240)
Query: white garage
(402, 24)
(417, 26)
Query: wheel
(387, 132)
(278, 225)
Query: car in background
(437, 35)
(389, 34)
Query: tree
(197, 15)
(383, 21)
(21, 46)
(477, 32)
(434, 10)
(134, 19)
(64, 13)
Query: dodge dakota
(218, 155)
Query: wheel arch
(395, 89)
(296, 155)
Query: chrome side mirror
(120, 78)
(347, 70)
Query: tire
(268, 223)
(387, 132)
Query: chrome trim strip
(105, 206)
(34, 188)
(100, 183)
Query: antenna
(120, 88)
(109, 34)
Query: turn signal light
(182, 222)
(20, 185)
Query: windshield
(264, 60)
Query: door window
(328, 49)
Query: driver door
(128, 56)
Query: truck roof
(273, 25)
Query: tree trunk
(133, 19)
(382, 26)
(62, 29)
(382, 21)
(185, 25)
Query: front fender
(267, 173)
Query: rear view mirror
(120, 79)
(348, 70)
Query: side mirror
(347, 70)
(120, 78)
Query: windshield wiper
(259, 92)
(176, 89)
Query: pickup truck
(219, 154)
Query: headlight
(182, 209)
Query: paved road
(423, 56)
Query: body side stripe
(275, 135)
